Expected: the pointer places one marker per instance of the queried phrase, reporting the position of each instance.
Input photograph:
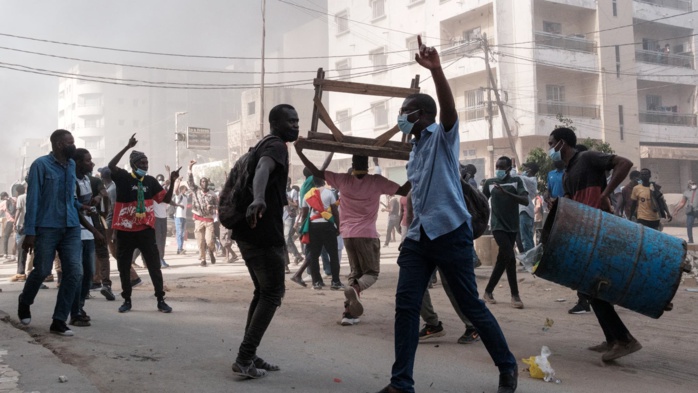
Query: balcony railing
(668, 118)
(568, 109)
(658, 57)
(683, 5)
(461, 49)
(578, 44)
(477, 113)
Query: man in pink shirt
(359, 201)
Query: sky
(201, 27)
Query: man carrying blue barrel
(585, 182)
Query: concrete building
(623, 71)
(103, 116)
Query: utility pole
(493, 86)
(261, 91)
(177, 138)
(490, 146)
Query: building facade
(622, 71)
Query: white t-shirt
(292, 196)
(160, 209)
(183, 200)
(327, 197)
(22, 208)
(85, 197)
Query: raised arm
(428, 58)
(117, 158)
(190, 178)
(308, 164)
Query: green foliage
(596, 145)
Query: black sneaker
(80, 320)
(60, 328)
(136, 282)
(470, 336)
(508, 382)
(24, 312)
(84, 315)
(126, 306)
(336, 286)
(163, 307)
(107, 293)
(580, 308)
(318, 286)
(212, 257)
(431, 331)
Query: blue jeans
(69, 246)
(88, 270)
(266, 267)
(452, 253)
(526, 230)
(180, 227)
(690, 219)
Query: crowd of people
(70, 218)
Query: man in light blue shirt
(555, 180)
(52, 223)
(440, 234)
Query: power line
(542, 42)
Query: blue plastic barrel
(611, 258)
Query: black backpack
(478, 206)
(237, 192)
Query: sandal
(250, 371)
(259, 363)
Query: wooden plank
(346, 148)
(355, 140)
(385, 137)
(318, 96)
(327, 120)
(364, 88)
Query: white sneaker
(348, 320)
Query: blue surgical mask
(501, 174)
(555, 155)
(405, 125)
(140, 172)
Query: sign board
(198, 138)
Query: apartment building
(622, 70)
(103, 116)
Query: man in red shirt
(134, 220)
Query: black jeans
(266, 267)
(613, 327)
(126, 243)
(506, 260)
(323, 234)
(650, 224)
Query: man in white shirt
(19, 235)
(181, 200)
(160, 210)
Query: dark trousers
(102, 263)
(88, 269)
(690, 219)
(323, 234)
(453, 254)
(21, 254)
(161, 235)
(6, 234)
(266, 267)
(613, 327)
(506, 260)
(126, 243)
(649, 224)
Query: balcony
(684, 60)
(668, 118)
(568, 109)
(461, 49)
(573, 43)
(476, 113)
(681, 5)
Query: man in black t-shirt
(261, 238)
(585, 182)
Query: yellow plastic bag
(533, 368)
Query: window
(555, 93)
(90, 100)
(61, 113)
(412, 46)
(61, 94)
(251, 107)
(474, 98)
(654, 102)
(472, 34)
(615, 8)
(92, 122)
(552, 27)
(380, 113)
(93, 143)
(343, 67)
(378, 8)
(343, 120)
(342, 21)
(621, 122)
(650, 44)
(617, 61)
(379, 59)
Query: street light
(177, 138)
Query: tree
(540, 156)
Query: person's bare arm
(255, 211)
(404, 189)
(308, 164)
(115, 161)
(428, 58)
(678, 207)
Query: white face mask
(693, 186)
